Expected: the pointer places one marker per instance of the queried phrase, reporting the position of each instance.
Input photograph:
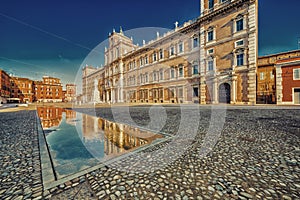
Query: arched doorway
(224, 93)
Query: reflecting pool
(78, 141)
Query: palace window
(240, 59)
(210, 4)
(210, 64)
(154, 76)
(154, 57)
(141, 61)
(161, 54)
(210, 51)
(195, 41)
(296, 74)
(180, 47)
(161, 74)
(239, 24)
(146, 78)
(239, 43)
(172, 73)
(210, 35)
(195, 69)
(180, 71)
(146, 60)
(172, 51)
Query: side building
(288, 81)
(4, 86)
(274, 73)
(48, 90)
(21, 90)
(70, 95)
(211, 59)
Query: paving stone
(250, 160)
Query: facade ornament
(176, 25)
(121, 30)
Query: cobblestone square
(256, 156)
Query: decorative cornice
(223, 9)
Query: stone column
(252, 53)
(215, 92)
(121, 96)
(202, 64)
(107, 97)
(202, 90)
(234, 89)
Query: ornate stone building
(212, 59)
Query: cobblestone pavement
(20, 171)
(257, 156)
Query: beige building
(70, 95)
(212, 59)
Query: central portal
(224, 93)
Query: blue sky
(53, 37)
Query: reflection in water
(117, 138)
(78, 141)
(50, 116)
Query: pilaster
(279, 87)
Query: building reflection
(117, 138)
(50, 116)
(70, 117)
(101, 137)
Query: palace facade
(211, 59)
